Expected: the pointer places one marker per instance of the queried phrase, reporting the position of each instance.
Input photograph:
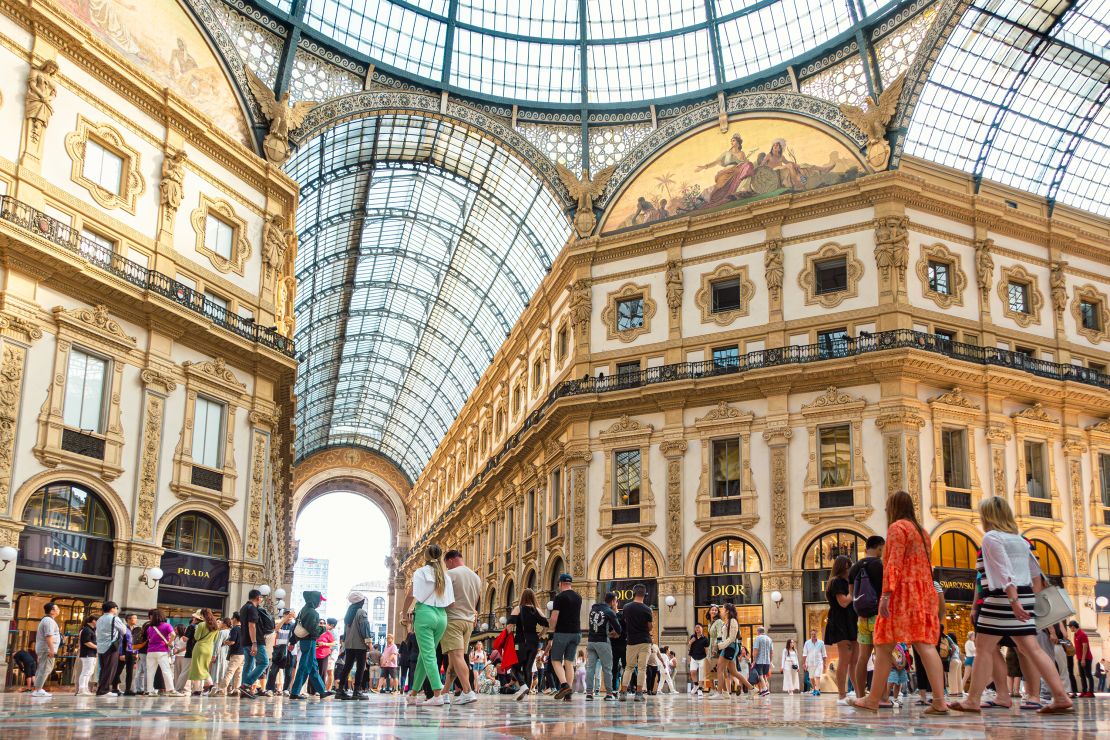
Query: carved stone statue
(772, 267)
(581, 305)
(275, 241)
(1058, 283)
(674, 287)
(283, 118)
(984, 265)
(892, 246)
(873, 122)
(41, 91)
(172, 185)
(584, 190)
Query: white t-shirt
(969, 648)
(424, 588)
(814, 652)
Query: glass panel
(59, 502)
(1089, 313)
(1104, 477)
(169, 539)
(32, 512)
(100, 526)
(84, 396)
(726, 357)
(1102, 565)
(203, 539)
(726, 467)
(938, 277)
(207, 437)
(830, 275)
(627, 490)
(186, 533)
(102, 166)
(1050, 561)
(1018, 296)
(1035, 479)
(835, 456)
(954, 452)
(726, 295)
(620, 562)
(218, 236)
(630, 314)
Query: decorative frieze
(674, 450)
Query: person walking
(125, 669)
(841, 629)
(86, 654)
(763, 650)
(467, 587)
(638, 619)
(525, 617)
(110, 631)
(667, 666)
(603, 624)
(48, 638)
(432, 592)
(406, 660)
(909, 603)
(697, 649)
(566, 620)
(815, 656)
(307, 629)
(356, 635)
(714, 626)
(205, 635)
(233, 669)
(789, 667)
(866, 579)
(1010, 568)
(280, 661)
(184, 657)
(159, 639)
(1083, 658)
(387, 681)
(255, 623)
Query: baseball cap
(565, 578)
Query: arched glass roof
(421, 242)
(582, 52)
(1018, 95)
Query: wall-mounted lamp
(776, 596)
(150, 577)
(503, 621)
(485, 626)
(670, 601)
(279, 594)
(8, 554)
(280, 604)
(264, 589)
(550, 606)
(1101, 602)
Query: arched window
(556, 571)
(1050, 561)
(530, 580)
(831, 545)
(510, 595)
(68, 506)
(1102, 565)
(628, 561)
(196, 533)
(954, 550)
(728, 555)
(379, 609)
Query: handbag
(1051, 606)
(300, 632)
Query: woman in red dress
(908, 606)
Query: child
(899, 676)
(580, 673)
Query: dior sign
(739, 588)
(623, 589)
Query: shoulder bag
(1052, 606)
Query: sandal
(1052, 709)
(994, 705)
(959, 708)
(852, 703)
(1031, 705)
(934, 710)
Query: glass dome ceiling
(583, 52)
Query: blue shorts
(762, 668)
(899, 677)
(729, 653)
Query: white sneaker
(435, 701)
(713, 695)
(845, 702)
(111, 695)
(446, 699)
(520, 693)
(466, 698)
(41, 693)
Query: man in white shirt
(47, 639)
(467, 586)
(814, 655)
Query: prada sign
(623, 589)
(66, 552)
(958, 584)
(739, 588)
(185, 570)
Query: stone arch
(820, 530)
(1103, 544)
(957, 525)
(550, 572)
(1067, 559)
(720, 533)
(531, 571)
(121, 520)
(234, 538)
(613, 544)
(509, 584)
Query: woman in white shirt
(1010, 569)
(431, 590)
(789, 667)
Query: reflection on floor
(499, 717)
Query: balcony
(53, 230)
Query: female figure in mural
(735, 173)
(789, 171)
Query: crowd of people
(888, 640)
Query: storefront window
(730, 570)
(1050, 561)
(195, 567)
(954, 555)
(817, 564)
(195, 533)
(623, 568)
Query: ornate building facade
(147, 366)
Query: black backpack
(864, 598)
(265, 622)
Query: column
(577, 557)
(902, 452)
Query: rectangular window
(96, 246)
(945, 335)
(726, 295)
(630, 313)
(86, 377)
(628, 370)
(1035, 478)
(561, 344)
(1098, 367)
(626, 489)
(516, 399)
(939, 277)
(835, 445)
(1104, 477)
(140, 258)
(1018, 296)
(1026, 352)
(530, 512)
(556, 494)
(1089, 315)
(510, 529)
(831, 275)
(215, 305)
(726, 467)
(218, 235)
(726, 357)
(833, 342)
(537, 373)
(954, 452)
(102, 166)
(208, 422)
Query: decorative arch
(1067, 560)
(121, 520)
(957, 525)
(235, 549)
(724, 533)
(611, 545)
(508, 594)
(529, 580)
(556, 564)
(820, 530)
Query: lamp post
(670, 601)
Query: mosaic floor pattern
(67, 716)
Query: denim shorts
(762, 668)
(564, 646)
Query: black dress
(842, 619)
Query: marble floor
(67, 716)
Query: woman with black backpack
(841, 629)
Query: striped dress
(996, 616)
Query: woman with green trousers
(431, 590)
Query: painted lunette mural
(161, 38)
(757, 157)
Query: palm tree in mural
(665, 181)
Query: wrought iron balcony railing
(105, 258)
